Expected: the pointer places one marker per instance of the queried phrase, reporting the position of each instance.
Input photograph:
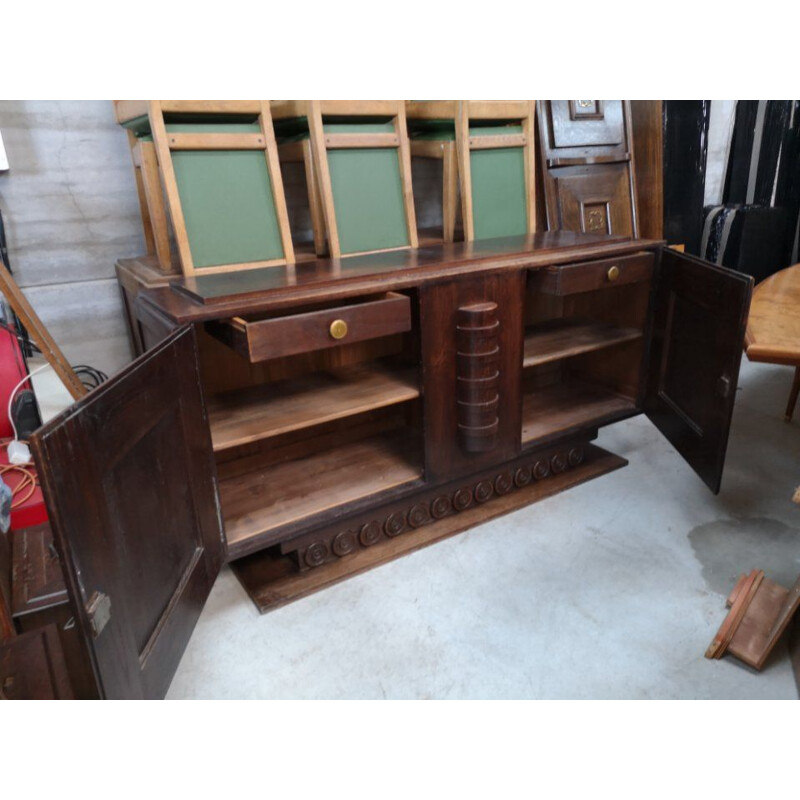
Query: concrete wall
(71, 210)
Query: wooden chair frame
(443, 150)
(314, 154)
(510, 110)
(154, 159)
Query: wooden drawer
(594, 275)
(277, 336)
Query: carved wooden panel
(591, 199)
(404, 517)
(471, 331)
(583, 128)
(477, 376)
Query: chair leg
(449, 190)
(793, 394)
(314, 201)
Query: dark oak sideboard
(308, 422)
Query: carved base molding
(423, 512)
(372, 538)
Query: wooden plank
(40, 335)
(155, 203)
(404, 158)
(159, 131)
(565, 338)
(273, 409)
(212, 106)
(339, 141)
(216, 141)
(276, 180)
(262, 501)
(273, 581)
(497, 141)
(570, 405)
(764, 622)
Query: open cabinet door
(129, 479)
(698, 334)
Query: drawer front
(259, 340)
(594, 275)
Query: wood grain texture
(648, 152)
(567, 338)
(269, 410)
(32, 667)
(99, 462)
(257, 506)
(219, 296)
(443, 365)
(271, 580)
(566, 407)
(277, 337)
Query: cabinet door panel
(129, 478)
(698, 333)
(591, 199)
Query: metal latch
(724, 386)
(99, 610)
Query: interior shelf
(559, 339)
(270, 410)
(266, 499)
(559, 408)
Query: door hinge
(99, 610)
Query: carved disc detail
(418, 515)
(441, 506)
(395, 524)
(575, 456)
(316, 554)
(483, 491)
(558, 463)
(344, 543)
(541, 469)
(370, 533)
(523, 476)
(462, 499)
(503, 483)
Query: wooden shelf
(261, 412)
(558, 409)
(565, 338)
(259, 503)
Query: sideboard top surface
(220, 295)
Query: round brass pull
(613, 273)
(338, 329)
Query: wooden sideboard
(307, 422)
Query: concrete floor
(610, 590)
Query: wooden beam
(341, 141)
(216, 141)
(497, 141)
(40, 335)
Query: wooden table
(773, 328)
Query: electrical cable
(14, 391)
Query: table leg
(793, 394)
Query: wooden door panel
(592, 199)
(698, 334)
(587, 123)
(129, 478)
(32, 667)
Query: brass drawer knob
(613, 273)
(338, 329)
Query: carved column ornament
(477, 376)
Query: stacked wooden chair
(216, 164)
(487, 151)
(358, 171)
